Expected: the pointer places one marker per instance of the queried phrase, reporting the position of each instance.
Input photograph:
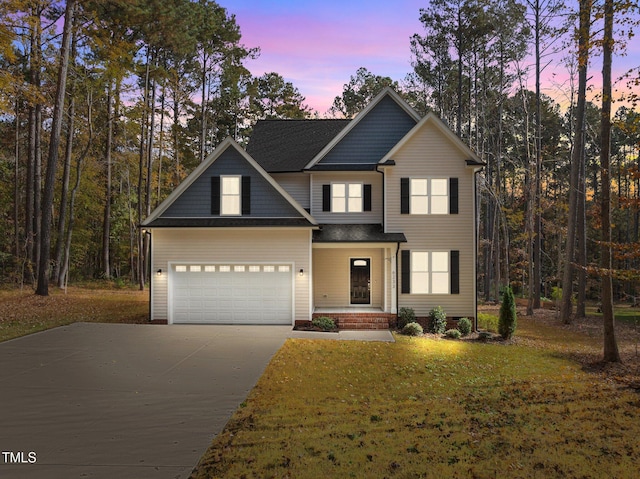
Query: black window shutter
(405, 265)
(367, 197)
(246, 195)
(326, 197)
(215, 195)
(404, 196)
(455, 272)
(453, 196)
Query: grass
(432, 408)
(22, 312)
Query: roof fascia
(388, 91)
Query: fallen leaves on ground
(23, 312)
(528, 408)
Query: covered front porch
(354, 276)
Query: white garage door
(232, 293)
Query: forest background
(105, 106)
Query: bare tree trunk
(65, 189)
(106, 220)
(537, 245)
(16, 185)
(611, 353)
(581, 233)
(578, 148)
(71, 112)
(52, 160)
(143, 133)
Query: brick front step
(360, 321)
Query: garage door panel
(240, 294)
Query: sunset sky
(317, 45)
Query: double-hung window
(230, 199)
(429, 196)
(346, 198)
(430, 272)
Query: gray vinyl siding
(232, 246)
(428, 154)
(384, 126)
(195, 201)
(296, 184)
(366, 178)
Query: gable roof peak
(387, 92)
(227, 143)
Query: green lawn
(434, 409)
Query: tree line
(106, 106)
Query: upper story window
(230, 195)
(429, 196)
(230, 199)
(346, 198)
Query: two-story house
(352, 219)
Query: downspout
(398, 280)
(151, 275)
(475, 239)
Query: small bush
(484, 336)
(406, 316)
(488, 322)
(325, 323)
(412, 329)
(437, 320)
(453, 334)
(507, 320)
(464, 326)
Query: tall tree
(52, 159)
(361, 89)
(611, 353)
(583, 34)
(273, 97)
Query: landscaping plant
(453, 334)
(507, 319)
(412, 329)
(437, 320)
(406, 316)
(465, 326)
(324, 322)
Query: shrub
(507, 320)
(324, 322)
(412, 329)
(464, 326)
(437, 320)
(406, 316)
(488, 322)
(453, 334)
(484, 336)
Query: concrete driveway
(126, 401)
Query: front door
(360, 281)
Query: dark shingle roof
(288, 145)
(356, 233)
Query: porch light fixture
(159, 272)
(301, 272)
